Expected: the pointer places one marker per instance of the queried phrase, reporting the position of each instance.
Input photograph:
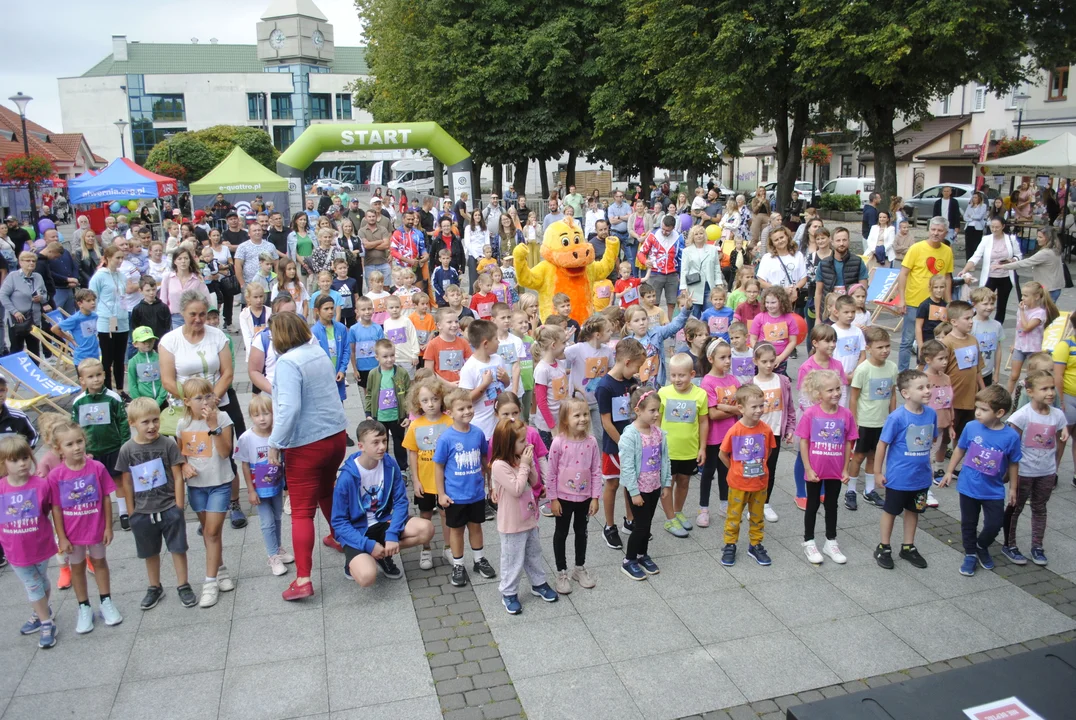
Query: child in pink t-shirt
(823, 343)
(720, 387)
(46, 426)
(81, 487)
(777, 325)
(25, 532)
(827, 433)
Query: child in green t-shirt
(871, 400)
(144, 368)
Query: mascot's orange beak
(575, 256)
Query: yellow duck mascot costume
(568, 266)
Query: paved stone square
(697, 639)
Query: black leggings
(568, 509)
(398, 450)
(639, 540)
(713, 464)
(771, 465)
(226, 300)
(20, 342)
(1002, 286)
(113, 351)
(972, 238)
(814, 491)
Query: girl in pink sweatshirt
(574, 486)
(513, 475)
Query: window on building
(168, 108)
(765, 172)
(320, 106)
(978, 103)
(343, 106)
(1021, 89)
(1059, 84)
(846, 165)
(144, 137)
(283, 137)
(255, 106)
(281, 106)
(946, 104)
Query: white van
(861, 186)
(414, 176)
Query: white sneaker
(448, 556)
(277, 565)
(285, 557)
(425, 560)
(85, 620)
(830, 549)
(770, 513)
(224, 580)
(287, 505)
(723, 508)
(110, 613)
(810, 549)
(210, 595)
(932, 501)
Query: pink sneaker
(703, 518)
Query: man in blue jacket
(370, 513)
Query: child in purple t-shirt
(25, 532)
(82, 516)
(827, 432)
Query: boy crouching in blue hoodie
(370, 509)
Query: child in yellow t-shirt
(487, 260)
(685, 419)
(426, 404)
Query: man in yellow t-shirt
(685, 419)
(924, 260)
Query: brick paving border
(1039, 582)
(468, 671)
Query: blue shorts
(210, 499)
(1022, 355)
(35, 578)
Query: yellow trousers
(754, 502)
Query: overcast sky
(65, 38)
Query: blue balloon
(685, 222)
(44, 225)
(114, 207)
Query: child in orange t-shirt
(447, 352)
(744, 450)
(424, 322)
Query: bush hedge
(840, 203)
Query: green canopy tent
(241, 178)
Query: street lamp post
(1020, 99)
(21, 102)
(121, 125)
(168, 141)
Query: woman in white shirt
(475, 238)
(594, 214)
(699, 258)
(995, 249)
(783, 266)
(974, 223)
(882, 236)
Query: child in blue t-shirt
(908, 435)
(361, 338)
(990, 451)
(80, 329)
(718, 317)
(461, 466)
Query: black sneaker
(389, 568)
(938, 475)
(350, 442)
(491, 512)
(759, 554)
(874, 498)
(629, 525)
(239, 520)
(125, 522)
(911, 554)
(483, 568)
(125, 397)
(153, 596)
(850, 500)
(459, 576)
(728, 555)
(884, 555)
(186, 595)
(612, 537)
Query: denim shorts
(216, 498)
(1022, 355)
(35, 578)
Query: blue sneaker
(632, 569)
(511, 604)
(48, 635)
(1038, 556)
(728, 556)
(648, 565)
(984, 559)
(759, 554)
(545, 592)
(969, 565)
(1013, 553)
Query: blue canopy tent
(121, 180)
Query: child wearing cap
(144, 368)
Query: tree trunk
(519, 178)
(438, 179)
(879, 122)
(544, 178)
(569, 173)
(690, 183)
(498, 179)
(476, 183)
(789, 149)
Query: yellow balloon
(713, 232)
(132, 205)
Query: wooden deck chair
(56, 370)
(56, 346)
(888, 311)
(29, 384)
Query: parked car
(808, 192)
(862, 187)
(923, 202)
(334, 185)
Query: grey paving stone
(362, 624)
(786, 565)
(765, 666)
(875, 589)
(299, 635)
(805, 600)
(283, 690)
(359, 678)
(690, 682)
(649, 629)
(170, 613)
(94, 703)
(106, 653)
(260, 597)
(171, 698)
(178, 650)
(496, 616)
(857, 647)
(940, 630)
(1014, 615)
(422, 708)
(691, 574)
(616, 591)
(544, 647)
(502, 709)
(597, 694)
(942, 576)
(724, 615)
(15, 657)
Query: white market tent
(1056, 158)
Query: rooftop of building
(58, 147)
(190, 58)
